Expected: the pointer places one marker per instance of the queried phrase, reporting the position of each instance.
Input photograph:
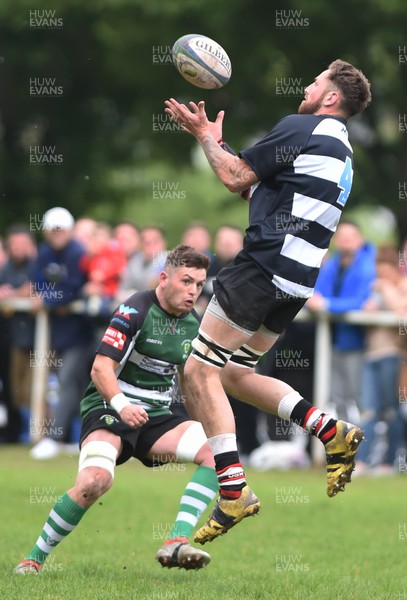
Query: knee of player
(94, 482)
(233, 374)
(97, 461)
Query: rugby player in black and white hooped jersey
(126, 411)
(298, 179)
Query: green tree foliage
(111, 61)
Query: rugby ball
(201, 61)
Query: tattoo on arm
(233, 171)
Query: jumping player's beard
(309, 108)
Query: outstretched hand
(194, 120)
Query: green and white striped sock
(62, 519)
(199, 492)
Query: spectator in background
(344, 284)
(128, 235)
(403, 367)
(228, 241)
(4, 361)
(17, 330)
(83, 230)
(103, 264)
(58, 280)
(3, 253)
(380, 398)
(198, 236)
(143, 268)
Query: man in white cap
(57, 281)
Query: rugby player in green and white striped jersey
(126, 411)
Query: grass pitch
(302, 546)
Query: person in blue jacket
(344, 284)
(58, 281)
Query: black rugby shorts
(250, 299)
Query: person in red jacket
(103, 263)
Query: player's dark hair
(186, 256)
(353, 85)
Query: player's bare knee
(93, 482)
(234, 374)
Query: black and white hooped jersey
(305, 169)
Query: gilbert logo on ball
(202, 61)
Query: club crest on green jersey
(109, 419)
(186, 346)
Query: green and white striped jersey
(150, 345)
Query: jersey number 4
(345, 182)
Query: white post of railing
(322, 376)
(40, 374)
